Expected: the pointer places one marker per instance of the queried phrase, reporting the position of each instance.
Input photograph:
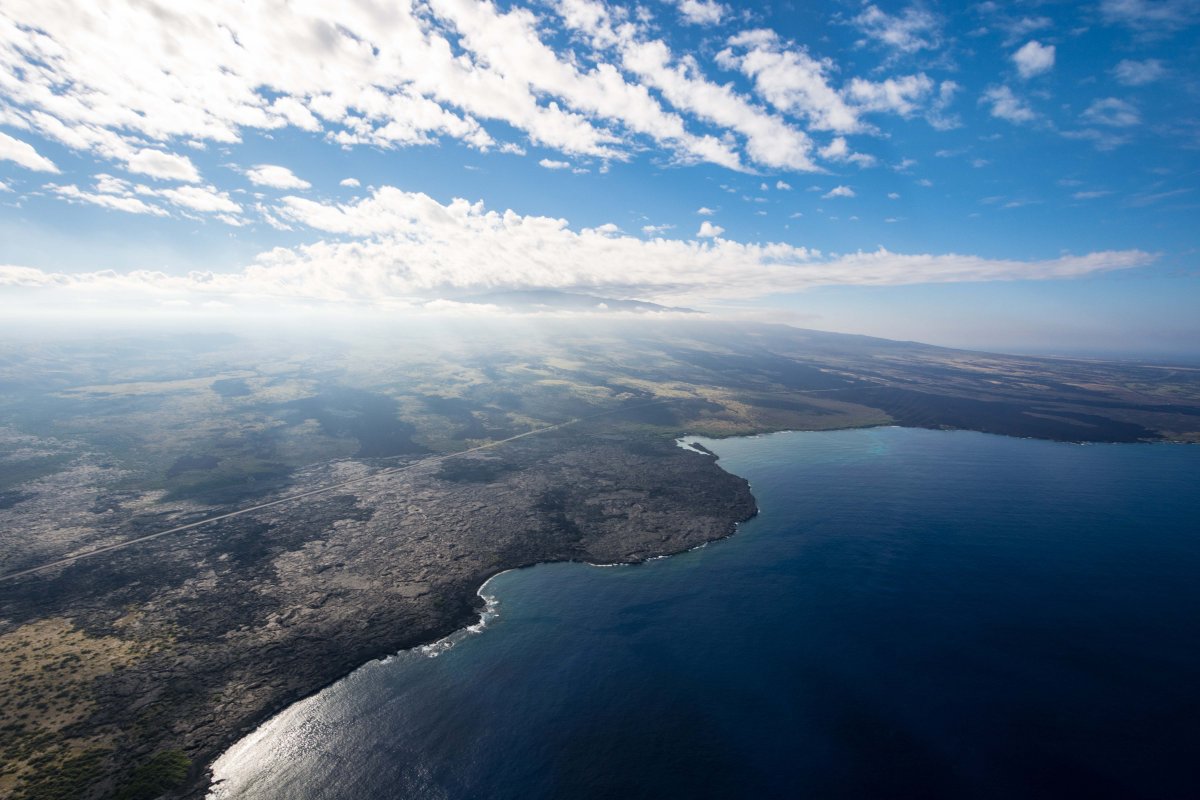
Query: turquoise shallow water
(913, 614)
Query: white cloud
(1104, 140)
(656, 230)
(122, 195)
(1017, 28)
(1034, 58)
(1090, 195)
(790, 79)
(1112, 112)
(409, 246)
(1007, 106)
(1151, 15)
(838, 150)
(893, 196)
(903, 96)
(705, 211)
(276, 177)
(909, 32)
(938, 115)
(1138, 73)
(351, 182)
(161, 165)
(783, 186)
(422, 72)
(201, 198)
(130, 205)
(549, 163)
(24, 154)
(408, 77)
(769, 140)
(839, 191)
(701, 12)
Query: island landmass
(324, 510)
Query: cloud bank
(405, 248)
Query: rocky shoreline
(236, 621)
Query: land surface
(129, 670)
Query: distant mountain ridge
(552, 300)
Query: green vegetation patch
(166, 770)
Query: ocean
(913, 614)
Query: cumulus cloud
(409, 246)
(406, 77)
(201, 198)
(24, 154)
(796, 83)
(549, 163)
(705, 211)
(1034, 58)
(161, 165)
(790, 79)
(838, 150)
(839, 191)
(1007, 106)
(351, 182)
(277, 177)
(903, 96)
(913, 30)
(701, 12)
(769, 140)
(424, 72)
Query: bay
(913, 613)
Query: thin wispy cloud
(1130, 72)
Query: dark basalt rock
(253, 613)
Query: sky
(1017, 176)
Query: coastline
(600, 498)
(482, 604)
(472, 613)
(432, 649)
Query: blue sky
(1019, 175)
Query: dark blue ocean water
(914, 614)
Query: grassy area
(163, 772)
(47, 669)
